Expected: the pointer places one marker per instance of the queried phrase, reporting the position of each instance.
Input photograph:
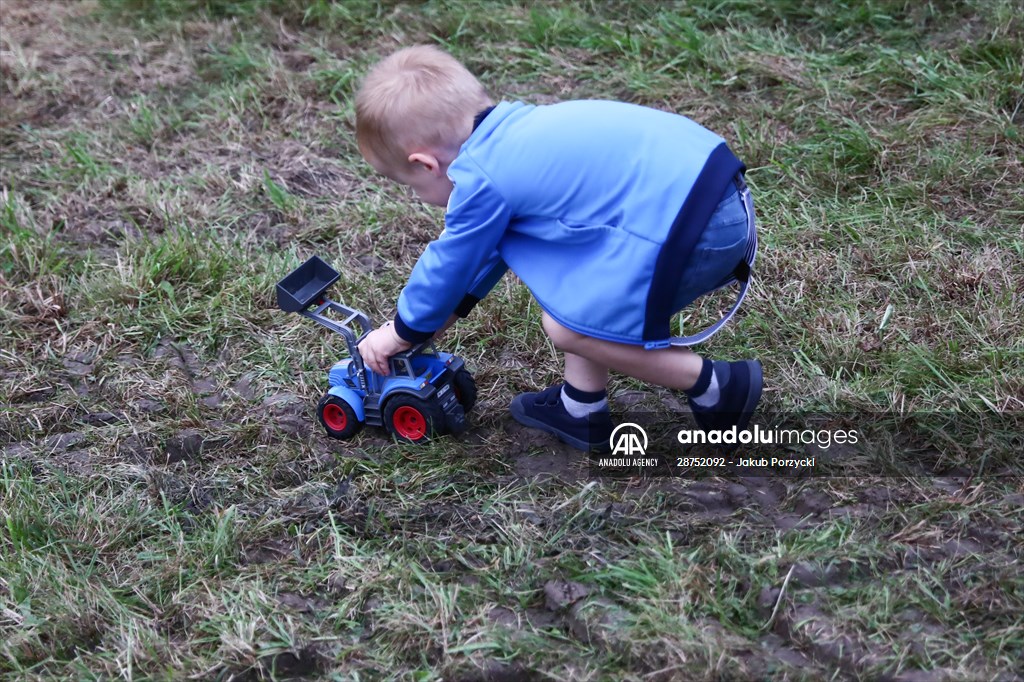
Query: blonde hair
(419, 96)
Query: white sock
(577, 409)
(709, 397)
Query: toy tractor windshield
(402, 367)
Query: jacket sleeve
(462, 260)
(492, 271)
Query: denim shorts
(719, 250)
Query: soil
(801, 633)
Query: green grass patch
(169, 507)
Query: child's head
(414, 110)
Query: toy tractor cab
(427, 392)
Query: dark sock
(582, 403)
(703, 380)
(584, 396)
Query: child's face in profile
(431, 188)
(425, 174)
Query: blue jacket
(594, 205)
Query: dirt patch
(807, 626)
(288, 415)
(298, 664)
(495, 671)
(304, 173)
(534, 454)
(115, 139)
(191, 444)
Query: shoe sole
(519, 414)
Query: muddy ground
(112, 146)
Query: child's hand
(381, 344)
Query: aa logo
(628, 439)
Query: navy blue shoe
(545, 411)
(739, 387)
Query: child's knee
(563, 338)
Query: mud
(496, 671)
(190, 444)
(300, 664)
(801, 635)
(76, 427)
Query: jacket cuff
(407, 333)
(467, 304)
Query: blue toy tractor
(427, 393)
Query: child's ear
(426, 160)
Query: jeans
(719, 250)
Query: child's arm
(492, 271)
(382, 346)
(456, 269)
(463, 260)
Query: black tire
(413, 419)
(337, 417)
(464, 386)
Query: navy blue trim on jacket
(409, 334)
(467, 304)
(719, 170)
(480, 116)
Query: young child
(614, 215)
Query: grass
(169, 507)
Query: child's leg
(584, 374)
(587, 360)
(577, 412)
(721, 394)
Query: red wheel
(334, 417)
(337, 417)
(413, 419)
(409, 423)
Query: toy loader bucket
(305, 285)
